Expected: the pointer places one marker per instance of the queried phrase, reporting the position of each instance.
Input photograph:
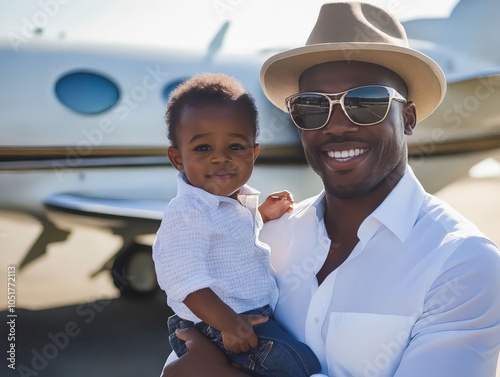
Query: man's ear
(175, 158)
(256, 150)
(409, 117)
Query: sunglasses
(364, 106)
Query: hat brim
(424, 78)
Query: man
(378, 277)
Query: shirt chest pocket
(366, 344)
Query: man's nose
(339, 123)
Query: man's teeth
(346, 154)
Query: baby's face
(216, 148)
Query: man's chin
(347, 191)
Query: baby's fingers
(282, 195)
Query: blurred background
(84, 177)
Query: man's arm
(458, 332)
(204, 359)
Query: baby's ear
(256, 150)
(175, 157)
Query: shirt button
(316, 320)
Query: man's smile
(347, 154)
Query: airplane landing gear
(133, 271)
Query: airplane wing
(467, 120)
(107, 207)
(125, 217)
(131, 266)
(463, 130)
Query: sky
(189, 25)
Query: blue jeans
(277, 355)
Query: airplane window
(86, 92)
(171, 86)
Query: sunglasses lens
(309, 111)
(367, 105)
(363, 106)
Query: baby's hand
(276, 205)
(239, 336)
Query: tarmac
(68, 324)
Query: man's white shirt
(418, 296)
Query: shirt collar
(247, 195)
(407, 197)
(398, 212)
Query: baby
(207, 254)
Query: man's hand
(239, 336)
(276, 205)
(204, 359)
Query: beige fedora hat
(354, 31)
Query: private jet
(83, 137)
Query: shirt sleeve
(459, 330)
(179, 252)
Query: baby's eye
(202, 148)
(237, 147)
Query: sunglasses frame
(393, 95)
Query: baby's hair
(207, 89)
